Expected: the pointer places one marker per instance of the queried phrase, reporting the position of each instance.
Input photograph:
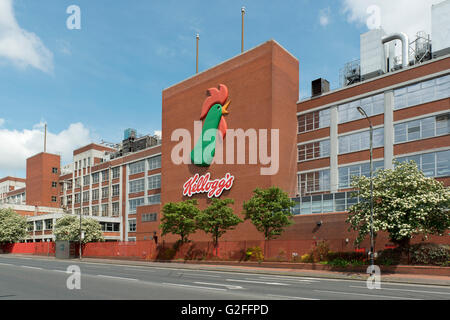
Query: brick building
(323, 142)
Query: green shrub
(429, 253)
(349, 256)
(320, 252)
(306, 258)
(338, 262)
(255, 253)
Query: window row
(372, 106)
(422, 92)
(348, 172)
(313, 120)
(434, 164)
(422, 128)
(360, 141)
(311, 182)
(149, 217)
(314, 150)
(333, 202)
(139, 166)
(40, 225)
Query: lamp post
(81, 190)
(364, 114)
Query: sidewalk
(394, 278)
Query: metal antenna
(45, 138)
(242, 36)
(198, 38)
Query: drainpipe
(405, 45)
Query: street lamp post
(81, 190)
(364, 114)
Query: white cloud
(20, 145)
(21, 47)
(2, 122)
(157, 133)
(396, 16)
(324, 16)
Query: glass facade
(360, 141)
(137, 167)
(154, 163)
(313, 120)
(314, 150)
(433, 164)
(372, 106)
(346, 173)
(323, 203)
(154, 182)
(137, 185)
(311, 182)
(422, 128)
(133, 203)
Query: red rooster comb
(216, 95)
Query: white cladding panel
(440, 25)
(372, 52)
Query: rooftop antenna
(198, 38)
(242, 36)
(45, 138)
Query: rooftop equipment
(319, 86)
(372, 54)
(440, 28)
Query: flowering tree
(406, 203)
(67, 228)
(13, 227)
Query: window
(85, 196)
(105, 210)
(48, 224)
(69, 185)
(95, 210)
(332, 202)
(154, 182)
(77, 183)
(54, 184)
(148, 217)
(133, 203)
(54, 170)
(86, 180)
(54, 199)
(137, 167)
(313, 120)
(434, 164)
(154, 163)
(137, 185)
(313, 182)
(116, 173)
(105, 175)
(86, 211)
(30, 226)
(422, 92)
(154, 199)
(132, 225)
(105, 192)
(38, 225)
(422, 128)
(69, 200)
(110, 226)
(346, 173)
(78, 211)
(116, 190)
(360, 141)
(372, 106)
(95, 177)
(314, 150)
(115, 209)
(95, 194)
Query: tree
(180, 218)
(67, 228)
(13, 227)
(218, 218)
(270, 211)
(406, 203)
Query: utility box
(65, 250)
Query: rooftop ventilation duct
(405, 45)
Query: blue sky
(109, 75)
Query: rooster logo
(213, 110)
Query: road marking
(291, 277)
(195, 287)
(366, 294)
(31, 267)
(260, 282)
(289, 297)
(5, 264)
(199, 275)
(113, 277)
(296, 280)
(63, 271)
(231, 287)
(418, 291)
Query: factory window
(323, 203)
(132, 225)
(372, 106)
(95, 194)
(105, 192)
(110, 226)
(95, 177)
(133, 203)
(48, 224)
(154, 182)
(54, 184)
(137, 167)
(69, 200)
(78, 211)
(116, 190)
(95, 210)
(86, 211)
(137, 185)
(84, 163)
(116, 173)
(105, 175)
(154, 163)
(360, 141)
(105, 210)
(38, 225)
(69, 185)
(154, 199)
(348, 172)
(115, 209)
(314, 150)
(86, 180)
(433, 164)
(77, 183)
(85, 196)
(30, 226)
(149, 217)
(54, 199)
(311, 182)
(422, 128)
(313, 120)
(422, 92)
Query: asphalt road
(28, 278)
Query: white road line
(63, 271)
(289, 297)
(294, 280)
(418, 291)
(119, 278)
(291, 277)
(366, 294)
(231, 287)
(195, 287)
(260, 282)
(5, 264)
(31, 267)
(199, 275)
